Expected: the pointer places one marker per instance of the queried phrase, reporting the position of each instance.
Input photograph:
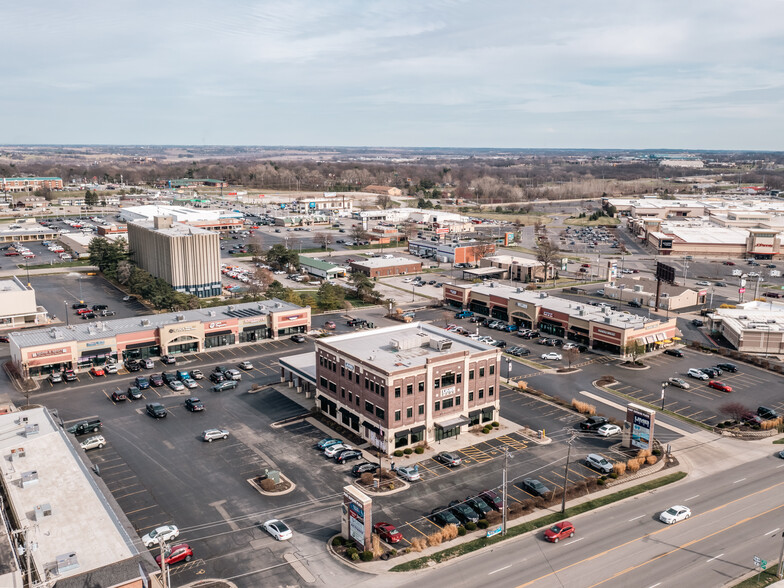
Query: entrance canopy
(483, 272)
(453, 422)
(302, 364)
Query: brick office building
(399, 386)
(380, 267)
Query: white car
(552, 355)
(409, 473)
(176, 385)
(96, 442)
(703, 283)
(608, 430)
(111, 368)
(246, 365)
(333, 449)
(674, 514)
(189, 383)
(407, 280)
(699, 374)
(163, 533)
(277, 529)
(233, 374)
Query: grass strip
(55, 265)
(545, 521)
(766, 578)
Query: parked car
(559, 531)
(479, 506)
(697, 322)
(156, 410)
(388, 532)
(679, 383)
(599, 463)
(330, 325)
(408, 473)
(142, 382)
(331, 450)
(674, 514)
(593, 423)
(176, 554)
(133, 393)
(715, 384)
(245, 365)
(298, 338)
(88, 426)
(492, 499)
(443, 516)
(156, 380)
(225, 385)
(111, 368)
(552, 356)
(209, 435)
(534, 487)
(168, 359)
(69, 376)
(727, 367)
(132, 365)
(278, 529)
(463, 512)
(197, 374)
(324, 443)
(464, 314)
(767, 413)
(448, 458)
(193, 404)
(713, 372)
(164, 533)
(674, 352)
(55, 378)
(147, 363)
(348, 455)
(118, 396)
(96, 442)
(608, 430)
(364, 468)
(232, 374)
(176, 385)
(97, 371)
(698, 374)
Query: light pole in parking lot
(508, 369)
(67, 323)
(663, 386)
(566, 471)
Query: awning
(649, 339)
(548, 321)
(676, 338)
(252, 328)
(474, 413)
(217, 333)
(401, 434)
(453, 422)
(96, 352)
(370, 426)
(660, 336)
(141, 345)
(419, 429)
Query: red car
(178, 553)
(729, 263)
(97, 371)
(719, 386)
(330, 325)
(388, 532)
(11, 253)
(83, 311)
(559, 531)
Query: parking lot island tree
(547, 253)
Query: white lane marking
(741, 480)
(499, 570)
(773, 531)
(692, 498)
(635, 518)
(657, 584)
(781, 466)
(717, 557)
(575, 541)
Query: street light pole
(663, 386)
(508, 369)
(566, 472)
(67, 323)
(506, 467)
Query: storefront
(450, 428)
(607, 339)
(183, 344)
(92, 355)
(479, 307)
(47, 361)
(291, 323)
(142, 350)
(553, 322)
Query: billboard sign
(357, 524)
(665, 273)
(638, 428)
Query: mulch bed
(284, 484)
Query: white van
(387, 256)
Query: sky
(609, 74)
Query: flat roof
(317, 263)
(81, 521)
(484, 271)
(99, 329)
(514, 260)
(376, 346)
(180, 213)
(381, 262)
(12, 285)
(177, 229)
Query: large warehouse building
(186, 257)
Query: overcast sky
(447, 73)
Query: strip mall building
(596, 327)
(40, 352)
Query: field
(587, 222)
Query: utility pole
(506, 477)
(164, 567)
(781, 559)
(566, 472)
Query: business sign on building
(357, 522)
(49, 352)
(638, 428)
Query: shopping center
(40, 352)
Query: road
(735, 516)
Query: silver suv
(597, 462)
(211, 434)
(233, 374)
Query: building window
(357, 399)
(459, 378)
(457, 400)
(421, 409)
(397, 392)
(369, 407)
(367, 383)
(447, 403)
(383, 391)
(448, 379)
(470, 397)
(342, 392)
(357, 375)
(397, 415)
(323, 382)
(410, 412)
(490, 391)
(437, 383)
(422, 386)
(492, 369)
(409, 389)
(350, 397)
(321, 361)
(481, 393)
(438, 405)
(333, 387)
(379, 412)
(342, 372)
(470, 374)
(481, 372)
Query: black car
(364, 468)
(88, 426)
(132, 365)
(78, 305)
(674, 352)
(100, 306)
(534, 487)
(501, 344)
(156, 380)
(134, 393)
(635, 304)
(119, 395)
(463, 512)
(593, 423)
(348, 455)
(88, 315)
(713, 372)
(354, 322)
(697, 322)
(480, 506)
(217, 377)
(727, 367)
(298, 338)
(193, 404)
(443, 516)
(169, 377)
(156, 410)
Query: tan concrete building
(753, 327)
(380, 267)
(520, 269)
(643, 292)
(20, 308)
(186, 257)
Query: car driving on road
(559, 531)
(674, 514)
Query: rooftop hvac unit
(42, 510)
(145, 322)
(405, 343)
(211, 313)
(441, 344)
(637, 288)
(608, 319)
(66, 563)
(31, 430)
(29, 478)
(180, 317)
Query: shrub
(393, 552)
(515, 508)
(461, 531)
(367, 556)
(483, 524)
(391, 485)
(496, 424)
(619, 468)
(435, 538)
(614, 475)
(583, 407)
(580, 488)
(449, 532)
(486, 430)
(351, 552)
(632, 466)
(338, 541)
(721, 425)
(494, 517)
(771, 424)
(657, 452)
(375, 546)
(600, 482)
(267, 485)
(367, 478)
(419, 450)
(470, 526)
(355, 556)
(398, 453)
(643, 453)
(408, 451)
(539, 502)
(651, 459)
(418, 543)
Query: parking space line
(118, 498)
(422, 465)
(130, 512)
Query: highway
(736, 514)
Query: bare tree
(384, 201)
(261, 280)
(324, 239)
(358, 233)
(484, 247)
(634, 349)
(547, 254)
(734, 410)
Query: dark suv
(593, 423)
(492, 499)
(132, 365)
(727, 367)
(88, 426)
(463, 512)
